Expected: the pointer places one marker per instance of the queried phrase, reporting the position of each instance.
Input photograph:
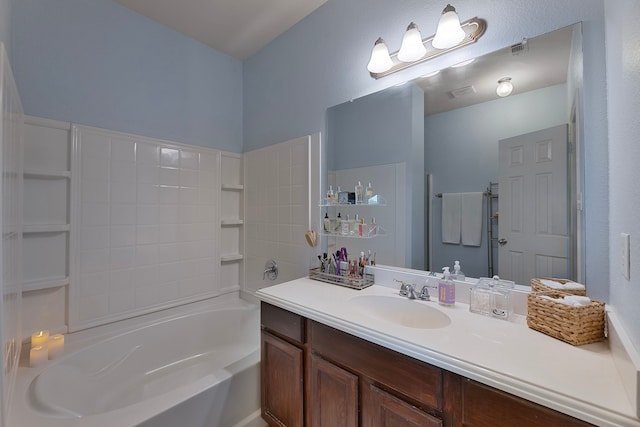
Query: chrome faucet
(409, 290)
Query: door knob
(502, 241)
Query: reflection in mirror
(449, 135)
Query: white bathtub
(192, 366)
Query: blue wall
(461, 152)
(96, 63)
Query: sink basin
(401, 311)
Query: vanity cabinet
(315, 375)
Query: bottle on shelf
(330, 195)
(338, 226)
(327, 223)
(359, 193)
(368, 193)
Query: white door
(533, 222)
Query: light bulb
(505, 87)
(449, 32)
(412, 48)
(380, 60)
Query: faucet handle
(424, 293)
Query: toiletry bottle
(338, 228)
(446, 289)
(373, 227)
(345, 226)
(363, 228)
(359, 193)
(327, 223)
(330, 195)
(368, 193)
(353, 225)
(457, 273)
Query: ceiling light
(412, 48)
(415, 50)
(380, 60)
(505, 87)
(449, 32)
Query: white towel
(451, 213)
(558, 285)
(471, 227)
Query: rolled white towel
(571, 300)
(557, 285)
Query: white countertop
(579, 381)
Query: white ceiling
(238, 28)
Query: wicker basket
(538, 286)
(574, 325)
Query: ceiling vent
(520, 48)
(463, 91)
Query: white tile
(284, 233)
(168, 233)
(168, 252)
(284, 215)
(122, 279)
(169, 157)
(93, 307)
(148, 194)
(299, 215)
(121, 301)
(122, 235)
(189, 232)
(208, 179)
(299, 175)
(147, 215)
(284, 196)
(123, 257)
(168, 195)
(206, 196)
(148, 174)
(206, 267)
(170, 272)
(146, 255)
(94, 238)
(148, 154)
(168, 214)
(94, 191)
(189, 214)
(147, 234)
(188, 196)
(188, 178)
(95, 214)
(197, 285)
(95, 146)
(94, 261)
(95, 168)
(94, 284)
(123, 150)
(169, 176)
(123, 172)
(146, 276)
(284, 176)
(123, 214)
(299, 154)
(208, 162)
(123, 192)
(299, 195)
(189, 159)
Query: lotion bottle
(446, 289)
(327, 223)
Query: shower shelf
(232, 187)
(46, 174)
(47, 283)
(231, 257)
(46, 228)
(231, 222)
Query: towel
(557, 285)
(451, 213)
(572, 300)
(471, 219)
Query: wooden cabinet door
(282, 382)
(333, 395)
(381, 409)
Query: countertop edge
(586, 411)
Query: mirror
(440, 135)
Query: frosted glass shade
(505, 87)
(449, 33)
(380, 60)
(412, 48)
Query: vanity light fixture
(505, 87)
(450, 35)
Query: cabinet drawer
(409, 377)
(282, 322)
(484, 406)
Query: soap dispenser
(446, 289)
(457, 273)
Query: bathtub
(191, 366)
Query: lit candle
(40, 339)
(56, 346)
(38, 355)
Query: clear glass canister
(492, 297)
